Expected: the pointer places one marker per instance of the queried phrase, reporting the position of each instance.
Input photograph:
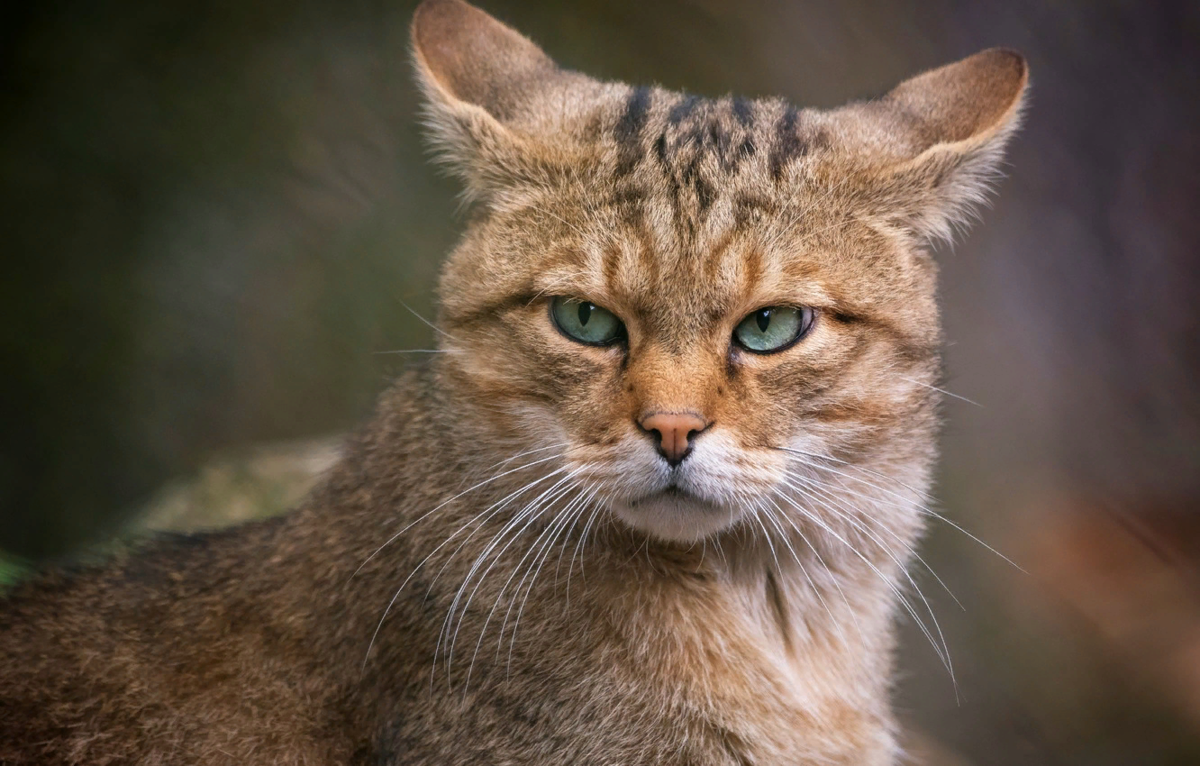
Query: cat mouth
(669, 492)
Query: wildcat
(655, 502)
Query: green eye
(586, 322)
(773, 328)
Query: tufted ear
(934, 144)
(487, 89)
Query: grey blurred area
(218, 218)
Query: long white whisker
(543, 555)
(803, 570)
(912, 551)
(520, 520)
(940, 390)
(581, 545)
(767, 537)
(392, 602)
(883, 578)
(587, 495)
(498, 506)
(846, 515)
(437, 329)
(516, 570)
(528, 510)
(504, 587)
(532, 451)
(923, 508)
(833, 578)
(417, 351)
(444, 503)
(592, 490)
(528, 516)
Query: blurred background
(213, 214)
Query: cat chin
(675, 517)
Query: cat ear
(486, 88)
(943, 133)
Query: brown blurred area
(215, 213)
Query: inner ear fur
(469, 57)
(968, 101)
(946, 130)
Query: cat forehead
(630, 143)
(718, 193)
(693, 169)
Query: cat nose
(674, 430)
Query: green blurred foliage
(10, 572)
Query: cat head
(690, 305)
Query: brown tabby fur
(734, 620)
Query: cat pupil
(585, 313)
(763, 319)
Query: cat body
(613, 523)
(250, 646)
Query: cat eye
(773, 328)
(586, 322)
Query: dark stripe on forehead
(628, 130)
(664, 161)
(629, 200)
(747, 208)
(682, 109)
(610, 264)
(787, 142)
(743, 111)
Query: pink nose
(674, 429)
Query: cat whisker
(591, 493)
(498, 506)
(520, 520)
(418, 351)
(912, 550)
(803, 570)
(523, 519)
(500, 594)
(846, 515)
(883, 578)
(546, 549)
(909, 548)
(517, 519)
(939, 390)
(435, 328)
(582, 544)
(441, 545)
(832, 577)
(766, 537)
(532, 451)
(521, 563)
(444, 503)
(923, 508)
(720, 551)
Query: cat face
(690, 304)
